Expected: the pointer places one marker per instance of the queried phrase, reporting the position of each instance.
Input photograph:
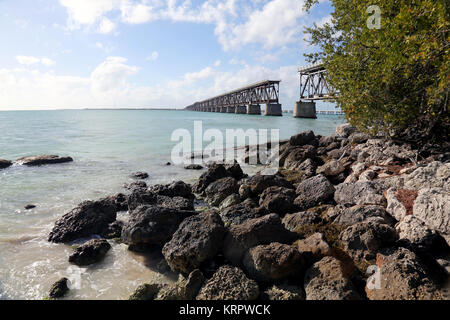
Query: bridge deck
(266, 91)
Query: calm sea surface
(106, 146)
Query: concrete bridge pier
(223, 109)
(231, 109)
(305, 110)
(254, 109)
(241, 110)
(273, 109)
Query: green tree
(393, 80)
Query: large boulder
(401, 276)
(90, 252)
(435, 175)
(273, 262)
(140, 197)
(174, 189)
(298, 155)
(359, 193)
(278, 200)
(152, 225)
(313, 191)
(363, 240)
(5, 163)
(229, 283)
(183, 289)
(140, 175)
(415, 232)
(328, 279)
(349, 216)
(42, 160)
(331, 168)
(88, 218)
(433, 207)
(219, 190)
(119, 201)
(259, 183)
(254, 232)
(198, 239)
(303, 138)
(234, 170)
(305, 218)
(215, 172)
(242, 212)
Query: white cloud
(109, 85)
(27, 60)
(237, 23)
(30, 60)
(106, 26)
(154, 56)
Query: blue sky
(147, 53)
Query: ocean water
(106, 145)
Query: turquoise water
(106, 146)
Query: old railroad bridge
(248, 100)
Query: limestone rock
(219, 190)
(359, 193)
(90, 252)
(313, 191)
(278, 200)
(229, 283)
(42, 160)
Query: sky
(70, 54)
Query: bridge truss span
(264, 92)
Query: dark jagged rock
(152, 225)
(313, 191)
(140, 197)
(314, 248)
(175, 203)
(30, 206)
(217, 191)
(259, 183)
(229, 283)
(193, 167)
(174, 189)
(304, 138)
(215, 172)
(119, 201)
(235, 171)
(273, 262)
(198, 239)
(42, 160)
(113, 231)
(135, 185)
(146, 291)
(91, 252)
(5, 164)
(360, 193)
(298, 155)
(88, 218)
(242, 212)
(59, 289)
(349, 216)
(295, 220)
(183, 289)
(140, 175)
(254, 232)
(278, 200)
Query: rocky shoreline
(340, 208)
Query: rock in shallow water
(42, 160)
(59, 289)
(91, 252)
(140, 175)
(152, 225)
(88, 218)
(5, 163)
